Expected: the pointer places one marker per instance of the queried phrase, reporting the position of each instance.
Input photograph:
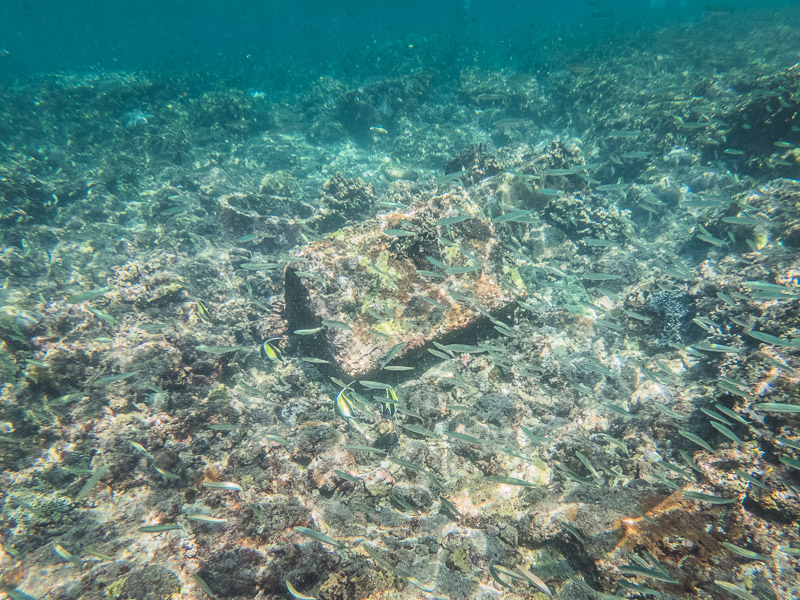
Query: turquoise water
(457, 300)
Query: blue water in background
(274, 38)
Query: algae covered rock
(152, 582)
(386, 289)
(343, 200)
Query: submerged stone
(389, 287)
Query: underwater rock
(582, 218)
(243, 214)
(234, 571)
(499, 409)
(762, 126)
(381, 104)
(670, 315)
(343, 200)
(152, 582)
(475, 163)
(401, 278)
(415, 495)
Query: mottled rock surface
(408, 278)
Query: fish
(202, 311)
(715, 415)
(708, 347)
(611, 187)
(100, 555)
(726, 432)
(269, 351)
(620, 411)
(292, 590)
(312, 331)
(204, 586)
(406, 464)
(66, 399)
(348, 476)
(634, 315)
(777, 407)
(669, 483)
(512, 216)
(733, 389)
(315, 276)
(574, 532)
(744, 552)
(710, 239)
(223, 427)
(91, 483)
(87, 295)
(418, 584)
(710, 498)
(588, 464)
(689, 462)
(277, 439)
(771, 339)
(153, 327)
(160, 528)
(393, 351)
(228, 486)
(676, 469)
(618, 443)
(736, 590)
(449, 506)
(464, 349)
(645, 572)
(790, 462)
(66, 554)
(650, 520)
(319, 536)
(464, 437)
(218, 350)
(535, 581)
(336, 325)
(447, 221)
(259, 266)
(100, 314)
(419, 430)
(344, 406)
(107, 379)
(461, 270)
(208, 519)
(696, 439)
(314, 360)
(139, 448)
(167, 474)
(400, 232)
(668, 411)
(356, 448)
(601, 276)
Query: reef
(465, 332)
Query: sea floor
(565, 292)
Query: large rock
(391, 287)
